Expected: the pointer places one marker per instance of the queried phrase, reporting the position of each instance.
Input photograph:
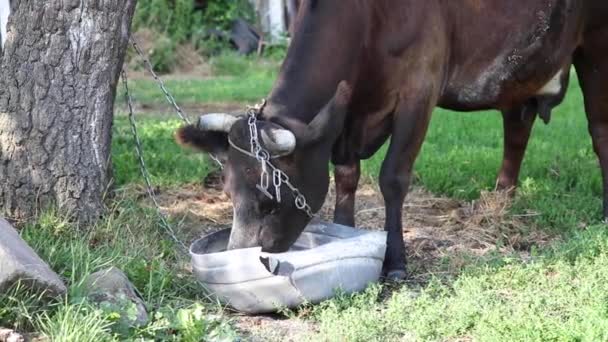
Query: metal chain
(168, 95)
(278, 177)
(257, 151)
(144, 170)
(160, 82)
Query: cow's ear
(328, 124)
(214, 142)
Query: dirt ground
(434, 227)
(441, 235)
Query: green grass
(128, 238)
(169, 164)
(560, 177)
(560, 294)
(199, 92)
(235, 79)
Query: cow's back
(503, 52)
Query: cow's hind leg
(591, 63)
(347, 181)
(410, 125)
(517, 124)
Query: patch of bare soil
(199, 210)
(441, 235)
(444, 229)
(274, 328)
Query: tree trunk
(58, 77)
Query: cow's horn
(279, 141)
(218, 122)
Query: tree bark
(58, 77)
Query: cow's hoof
(396, 275)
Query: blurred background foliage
(180, 34)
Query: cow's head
(302, 151)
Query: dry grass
(436, 229)
(188, 61)
(197, 210)
(442, 236)
(437, 226)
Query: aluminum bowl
(325, 258)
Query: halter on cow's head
(269, 212)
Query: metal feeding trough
(326, 258)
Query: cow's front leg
(410, 125)
(347, 181)
(517, 125)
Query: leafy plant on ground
(177, 19)
(220, 14)
(192, 324)
(129, 237)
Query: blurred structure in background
(5, 10)
(276, 16)
(271, 24)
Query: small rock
(9, 335)
(112, 289)
(19, 262)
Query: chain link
(278, 177)
(160, 82)
(168, 95)
(144, 170)
(257, 151)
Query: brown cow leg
(517, 124)
(347, 180)
(592, 67)
(411, 122)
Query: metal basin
(326, 258)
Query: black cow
(392, 62)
